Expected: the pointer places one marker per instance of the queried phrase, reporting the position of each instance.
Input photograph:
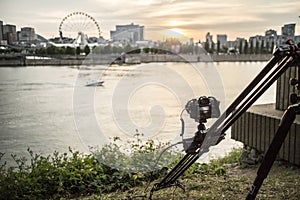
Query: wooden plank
(241, 127)
(234, 130)
(292, 142)
(263, 132)
(246, 131)
(268, 133)
(250, 130)
(260, 132)
(264, 127)
(238, 129)
(254, 131)
(257, 130)
(297, 145)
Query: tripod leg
(264, 169)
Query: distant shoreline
(22, 60)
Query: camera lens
(203, 101)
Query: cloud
(196, 17)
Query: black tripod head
(294, 97)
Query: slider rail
(284, 55)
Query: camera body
(203, 108)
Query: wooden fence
(257, 127)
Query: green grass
(223, 178)
(74, 175)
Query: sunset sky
(192, 18)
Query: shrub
(74, 174)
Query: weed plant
(73, 174)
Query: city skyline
(191, 19)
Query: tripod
(285, 56)
(270, 156)
(282, 131)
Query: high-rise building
(270, 39)
(208, 41)
(191, 41)
(270, 33)
(128, 34)
(288, 30)
(27, 34)
(256, 42)
(240, 44)
(1, 30)
(222, 38)
(9, 33)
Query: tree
(272, 47)
(117, 49)
(107, 49)
(212, 48)
(78, 50)
(185, 48)
(257, 49)
(206, 46)
(62, 50)
(262, 48)
(241, 47)
(40, 51)
(86, 50)
(134, 51)
(218, 46)
(51, 50)
(70, 51)
(246, 47)
(127, 48)
(251, 47)
(268, 47)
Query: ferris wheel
(79, 27)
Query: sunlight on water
(37, 103)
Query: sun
(175, 23)
(174, 29)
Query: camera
(203, 108)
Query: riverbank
(281, 183)
(23, 60)
(79, 176)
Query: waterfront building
(257, 43)
(288, 30)
(240, 44)
(128, 34)
(297, 39)
(27, 34)
(222, 39)
(281, 39)
(208, 41)
(271, 33)
(191, 41)
(10, 33)
(1, 31)
(271, 39)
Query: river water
(49, 108)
